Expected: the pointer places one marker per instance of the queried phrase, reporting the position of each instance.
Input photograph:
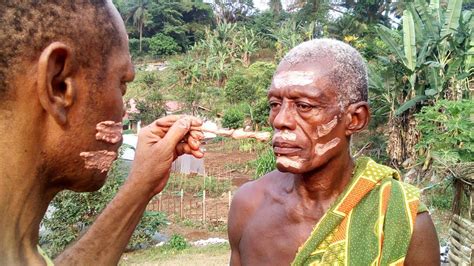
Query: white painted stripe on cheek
(321, 149)
(323, 130)
(293, 78)
(287, 162)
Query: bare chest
(273, 235)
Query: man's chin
(94, 183)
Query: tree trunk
(402, 138)
(141, 33)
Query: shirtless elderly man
(64, 66)
(322, 206)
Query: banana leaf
(435, 8)
(430, 24)
(385, 35)
(452, 17)
(409, 41)
(453, 67)
(409, 104)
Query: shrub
(161, 44)
(239, 88)
(177, 242)
(74, 212)
(446, 130)
(233, 118)
(265, 163)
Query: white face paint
(293, 78)
(289, 162)
(323, 148)
(285, 135)
(323, 130)
(100, 160)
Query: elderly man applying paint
(322, 206)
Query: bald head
(344, 66)
(27, 27)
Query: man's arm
(424, 244)
(241, 208)
(158, 146)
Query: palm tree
(139, 14)
(275, 6)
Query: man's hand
(158, 145)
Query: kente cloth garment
(48, 261)
(370, 223)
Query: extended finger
(193, 143)
(196, 134)
(167, 121)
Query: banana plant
(436, 51)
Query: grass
(207, 255)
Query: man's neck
(23, 195)
(323, 185)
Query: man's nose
(285, 118)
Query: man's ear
(358, 117)
(55, 85)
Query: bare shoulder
(251, 194)
(249, 197)
(424, 244)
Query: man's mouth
(285, 149)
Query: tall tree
(229, 11)
(139, 14)
(275, 6)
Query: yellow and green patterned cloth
(370, 223)
(47, 260)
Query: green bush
(265, 163)
(177, 242)
(74, 212)
(447, 131)
(239, 88)
(161, 44)
(134, 46)
(233, 118)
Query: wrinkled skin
(270, 218)
(57, 105)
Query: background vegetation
(218, 58)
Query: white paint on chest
(323, 148)
(293, 78)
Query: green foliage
(177, 242)
(151, 222)
(233, 118)
(432, 53)
(265, 163)
(151, 108)
(447, 131)
(74, 212)
(161, 44)
(440, 197)
(238, 89)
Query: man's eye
(274, 105)
(304, 107)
